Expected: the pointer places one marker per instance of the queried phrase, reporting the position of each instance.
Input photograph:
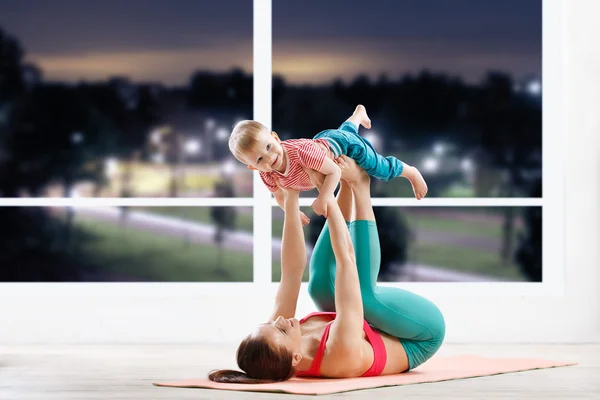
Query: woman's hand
(294, 195)
(287, 192)
(351, 171)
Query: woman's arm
(347, 328)
(293, 257)
(348, 324)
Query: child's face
(267, 155)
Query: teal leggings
(414, 320)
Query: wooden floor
(127, 372)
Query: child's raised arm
(332, 177)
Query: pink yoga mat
(435, 370)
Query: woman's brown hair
(260, 361)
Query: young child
(252, 144)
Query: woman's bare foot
(351, 172)
(360, 117)
(416, 180)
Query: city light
(111, 166)
(193, 146)
(158, 158)
(534, 88)
(228, 167)
(439, 149)
(155, 137)
(466, 165)
(77, 137)
(209, 124)
(222, 134)
(430, 164)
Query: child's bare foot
(416, 180)
(351, 172)
(360, 117)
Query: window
(476, 136)
(462, 194)
(112, 128)
(450, 91)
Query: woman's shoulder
(343, 361)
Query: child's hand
(320, 204)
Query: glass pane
(123, 99)
(447, 244)
(121, 244)
(452, 88)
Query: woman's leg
(414, 320)
(322, 261)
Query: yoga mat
(435, 370)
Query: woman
(338, 343)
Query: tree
(12, 83)
(224, 218)
(232, 90)
(510, 127)
(34, 249)
(529, 249)
(54, 136)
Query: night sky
(313, 40)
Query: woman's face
(283, 332)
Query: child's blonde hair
(244, 137)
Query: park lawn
(149, 256)
(464, 259)
(487, 229)
(202, 215)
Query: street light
(111, 167)
(374, 139)
(193, 146)
(76, 137)
(439, 149)
(228, 168)
(534, 88)
(222, 134)
(466, 165)
(430, 164)
(155, 137)
(209, 124)
(158, 158)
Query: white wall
(78, 316)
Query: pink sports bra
(380, 355)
